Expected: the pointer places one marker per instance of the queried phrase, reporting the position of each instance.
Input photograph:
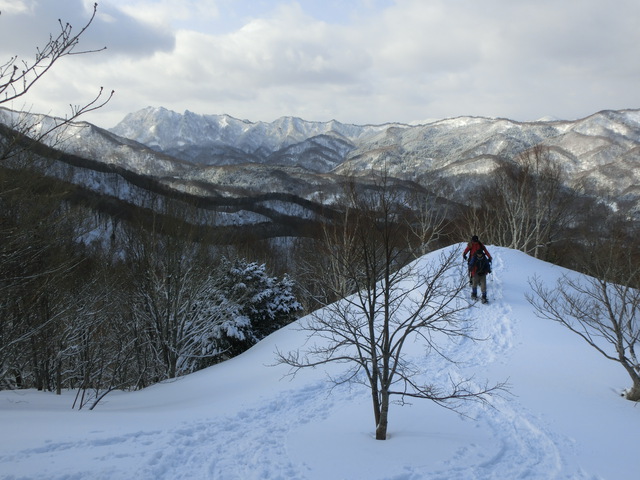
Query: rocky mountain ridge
(218, 156)
(599, 154)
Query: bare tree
(32, 217)
(96, 349)
(37, 262)
(18, 76)
(526, 205)
(428, 222)
(171, 273)
(193, 307)
(604, 310)
(396, 302)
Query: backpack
(483, 267)
(487, 268)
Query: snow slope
(241, 419)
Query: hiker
(479, 267)
(472, 247)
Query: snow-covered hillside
(599, 154)
(564, 419)
(222, 156)
(169, 131)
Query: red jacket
(473, 247)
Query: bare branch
(18, 76)
(605, 315)
(16, 81)
(396, 301)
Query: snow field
(243, 419)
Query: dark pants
(479, 280)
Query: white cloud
(168, 13)
(369, 61)
(14, 6)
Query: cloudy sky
(356, 61)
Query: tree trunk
(59, 377)
(375, 398)
(633, 393)
(381, 428)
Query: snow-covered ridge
(163, 130)
(581, 145)
(243, 419)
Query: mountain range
(600, 153)
(290, 165)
